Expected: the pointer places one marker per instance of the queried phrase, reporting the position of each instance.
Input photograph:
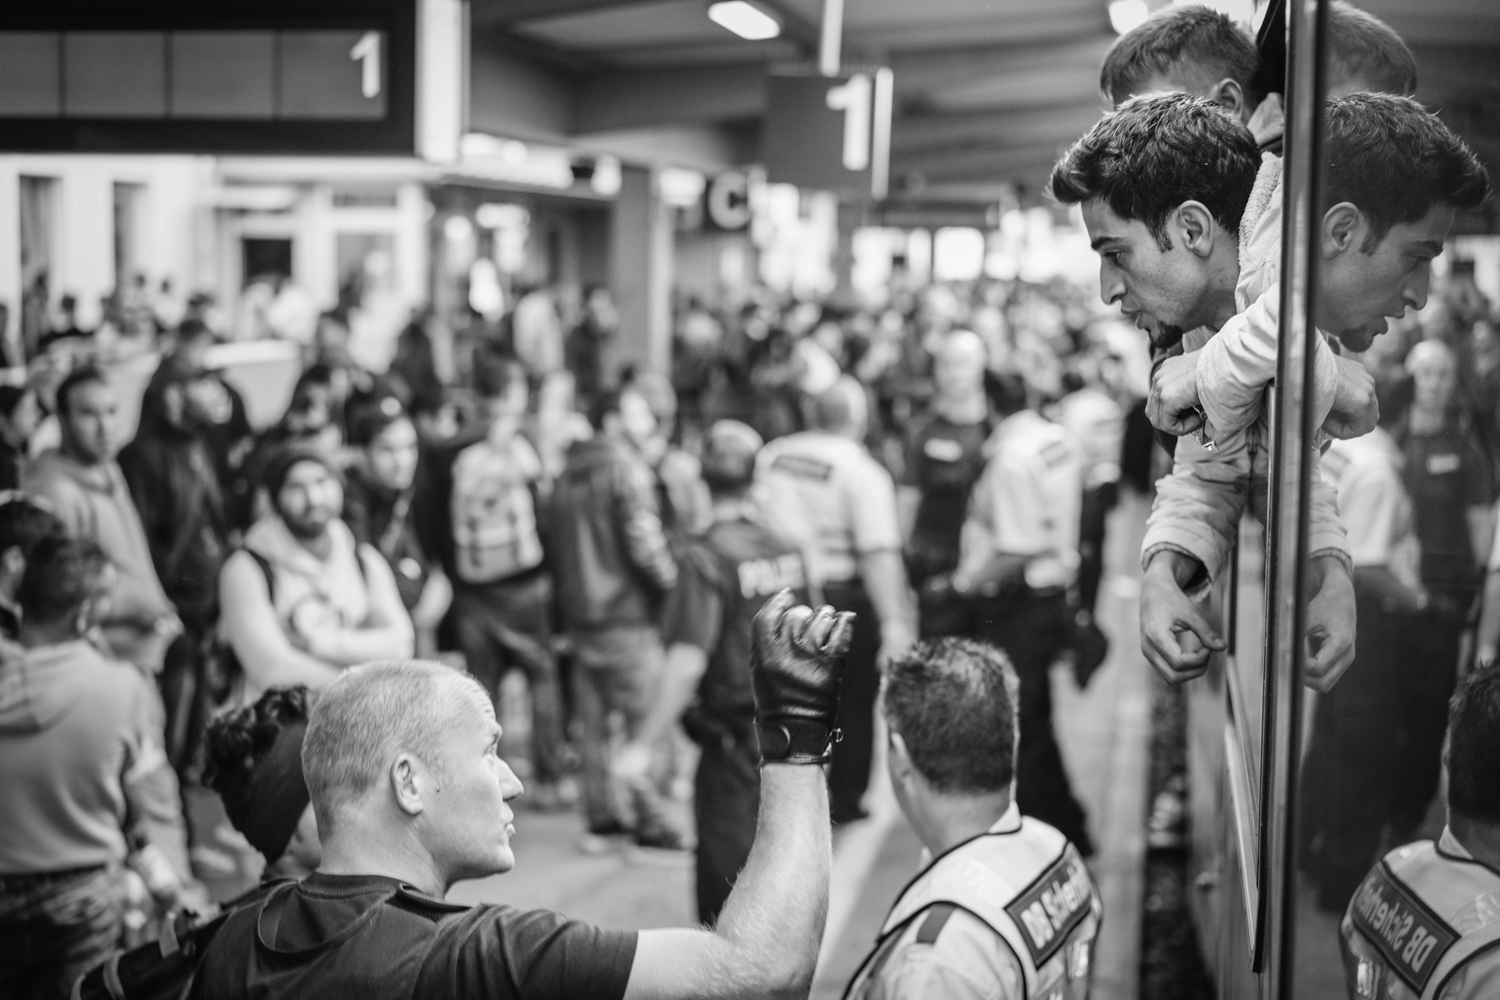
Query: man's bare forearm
(767, 938)
(775, 915)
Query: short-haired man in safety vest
(1005, 907)
(1425, 923)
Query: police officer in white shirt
(1425, 924)
(1004, 907)
(825, 491)
(1018, 559)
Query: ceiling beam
(991, 164)
(508, 12)
(916, 133)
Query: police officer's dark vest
(1029, 885)
(1417, 920)
(753, 563)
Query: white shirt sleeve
(1369, 500)
(871, 495)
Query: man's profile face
(1160, 291)
(310, 497)
(92, 423)
(471, 821)
(1360, 292)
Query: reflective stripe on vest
(1030, 886)
(1419, 916)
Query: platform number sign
(830, 133)
(255, 76)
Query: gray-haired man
(411, 796)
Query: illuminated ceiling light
(744, 19)
(1125, 15)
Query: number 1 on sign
(366, 52)
(853, 99)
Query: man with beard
(1169, 249)
(303, 600)
(169, 467)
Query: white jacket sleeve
(1198, 507)
(1239, 361)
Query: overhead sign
(317, 76)
(830, 133)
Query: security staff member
(839, 505)
(726, 574)
(1005, 907)
(1019, 558)
(943, 460)
(1424, 924)
(1451, 486)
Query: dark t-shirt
(1445, 475)
(725, 575)
(366, 937)
(943, 461)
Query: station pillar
(640, 269)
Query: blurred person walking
(20, 413)
(728, 572)
(1360, 727)
(1096, 423)
(83, 484)
(613, 569)
(479, 509)
(1004, 906)
(22, 526)
(1019, 559)
(80, 745)
(170, 470)
(302, 599)
(379, 505)
(839, 506)
(944, 459)
(1450, 482)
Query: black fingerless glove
(795, 661)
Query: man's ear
(1343, 229)
(408, 782)
(1230, 96)
(12, 563)
(1195, 227)
(901, 763)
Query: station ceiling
(987, 91)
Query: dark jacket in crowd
(385, 520)
(608, 552)
(174, 482)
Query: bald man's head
(371, 715)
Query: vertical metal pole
(1292, 485)
(831, 42)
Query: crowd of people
(317, 622)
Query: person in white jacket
(302, 600)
